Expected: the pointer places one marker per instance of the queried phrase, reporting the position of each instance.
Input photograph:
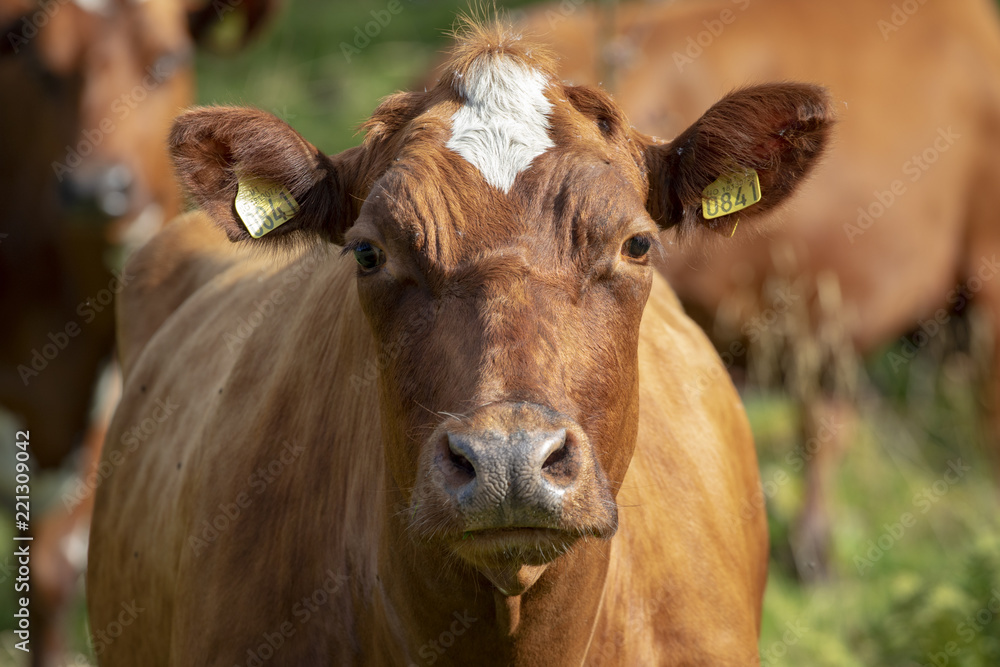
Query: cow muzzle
(98, 192)
(510, 478)
(513, 482)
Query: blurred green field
(924, 601)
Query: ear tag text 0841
(730, 193)
(264, 205)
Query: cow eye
(636, 247)
(369, 257)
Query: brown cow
(85, 159)
(90, 90)
(451, 441)
(896, 230)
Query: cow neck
(422, 594)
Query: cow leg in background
(60, 541)
(828, 426)
(821, 373)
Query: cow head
(98, 83)
(502, 225)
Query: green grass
(912, 601)
(909, 605)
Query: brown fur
(67, 78)
(493, 313)
(894, 91)
(67, 73)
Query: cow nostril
(117, 177)
(462, 464)
(556, 457)
(461, 456)
(560, 465)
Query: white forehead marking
(503, 124)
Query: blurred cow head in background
(90, 89)
(95, 86)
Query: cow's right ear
(259, 179)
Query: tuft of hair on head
(483, 35)
(480, 36)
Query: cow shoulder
(159, 277)
(689, 489)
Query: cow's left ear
(763, 140)
(259, 179)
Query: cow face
(99, 84)
(503, 262)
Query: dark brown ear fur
(780, 130)
(212, 146)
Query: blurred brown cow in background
(90, 90)
(895, 233)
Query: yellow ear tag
(264, 205)
(730, 193)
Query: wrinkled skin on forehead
(855, 264)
